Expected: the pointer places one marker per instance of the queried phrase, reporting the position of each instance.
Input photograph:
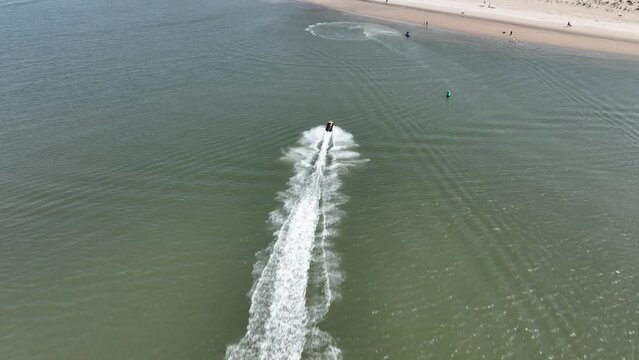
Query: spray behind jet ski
(297, 276)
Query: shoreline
(593, 30)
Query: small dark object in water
(329, 126)
(407, 35)
(448, 94)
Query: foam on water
(296, 277)
(351, 31)
(15, 2)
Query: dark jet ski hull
(329, 126)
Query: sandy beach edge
(523, 30)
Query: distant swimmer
(407, 34)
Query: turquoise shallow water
(149, 151)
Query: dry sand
(598, 25)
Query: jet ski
(329, 126)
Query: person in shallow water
(407, 35)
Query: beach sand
(596, 25)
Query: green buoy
(448, 94)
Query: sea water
(167, 189)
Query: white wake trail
(299, 265)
